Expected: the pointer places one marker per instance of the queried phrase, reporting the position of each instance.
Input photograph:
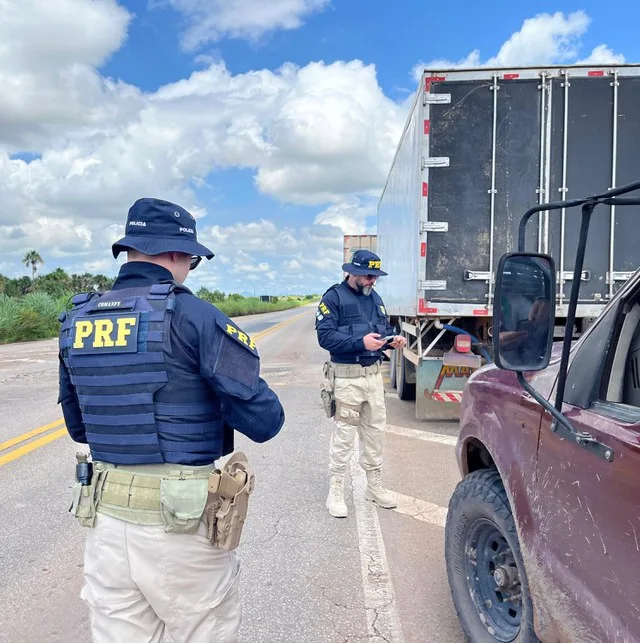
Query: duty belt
(135, 489)
(354, 370)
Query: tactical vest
(353, 320)
(139, 404)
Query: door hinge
(437, 99)
(612, 277)
(432, 285)
(584, 440)
(435, 161)
(476, 275)
(434, 226)
(585, 275)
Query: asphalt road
(378, 575)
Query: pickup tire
(486, 572)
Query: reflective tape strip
(447, 396)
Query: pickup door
(588, 508)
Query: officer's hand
(372, 342)
(398, 342)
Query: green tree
(33, 259)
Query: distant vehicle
(542, 536)
(480, 147)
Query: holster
(228, 501)
(327, 390)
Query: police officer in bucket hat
(156, 381)
(352, 325)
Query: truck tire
(393, 369)
(406, 390)
(486, 572)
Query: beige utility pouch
(327, 390)
(228, 502)
(182, 504)
(83, 503)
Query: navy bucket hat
(364, 262)
(155, 226)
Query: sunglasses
(371, 276)
(195, 262)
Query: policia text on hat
(155, 381)
(352, 324)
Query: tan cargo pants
(139, 580)
(360, 406)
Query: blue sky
(275, 123)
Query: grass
(35, 316)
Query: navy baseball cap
(364, 262)
(155, 226)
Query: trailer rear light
(427, 127)
(511, 76)
(423, 249)
(596, 73)
(425, 189)
(462, 344)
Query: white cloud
(350, 217)
(602, 55)
(211, 20)
(49, 52)
(542, 40)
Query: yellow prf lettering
(83, 330)
(104, 328)
(252, 344)
(124, 329)
(243, 338)
(375, 264)
(232, 330)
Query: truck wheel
(486, 573)
(406, 390)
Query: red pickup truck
(543, 531)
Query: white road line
(421, 510)
(383, 619)
(422, 435)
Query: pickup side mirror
(524, 311)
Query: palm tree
(33, 259)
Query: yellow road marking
(25, 436)
(275, 327)
(40, 442)
(36, 444)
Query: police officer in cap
(352, 324)
(155, 381)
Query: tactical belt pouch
(83, 502)
(228, 502)
(327, 390)
(182, 504)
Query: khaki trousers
(140, 580)
(360, 406)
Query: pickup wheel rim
(494, 580)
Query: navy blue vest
(139, 404)
(353, 320)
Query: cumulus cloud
(49, 55)
(542, 40)
(211, 20)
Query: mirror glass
(524, 313)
